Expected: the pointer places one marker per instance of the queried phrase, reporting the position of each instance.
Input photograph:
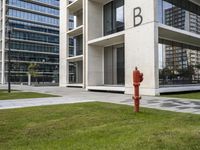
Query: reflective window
(34, 47)
(50, 2)
(33, 26)
(35, 39)
(113, 17)
(33, 17)
(114, 68)
(178, 63)
(76, 72)
(33, 57)
(35, 7)
(181, 14)
(76, 46)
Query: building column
(141, 45)
(63, 69)
(3, 42)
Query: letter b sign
(137, 17)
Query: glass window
(178, 63)
(113, 17)
(76, 72)
(181, 14)
(114, 68)
(76, 46)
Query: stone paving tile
(152, 102)
(183, 107)
(76, 95)
(197, 107)
(178, 101)
(196, 103)
(126, 101)
(169, 105)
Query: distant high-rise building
(35, 39)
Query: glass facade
(113, 17)
(35, 7)
(76, 72)
(35, 39)
(114, 66)
(179, 63)
(33, 17)
(50, 2)
(181, 14)
(76, 46)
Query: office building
(34, 40)
(160, 37)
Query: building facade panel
(119, 35)
(34, 40)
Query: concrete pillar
(3, 42)
(141, 48)
(95, 71)
(29, 79)
(63, 75)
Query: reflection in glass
(114, 65)
(35, 39)
(180, 14)
(76, 46)
(178, 63)
(113, 17)
(75, 72)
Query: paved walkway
(75, 95)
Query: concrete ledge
(195, 1)
(75, 85)
(143, 91)
(75, 32)
(178, 35)
(106, 88)
(179, 89)
(75, 6)
(75, 58)
(113, 39)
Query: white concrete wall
(79, 18)
(84, 42)
(141, 46)
(93, 54)
(63, 75)
(95, 20)
(3, 41)
(95, 66)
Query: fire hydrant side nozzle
(137, 79)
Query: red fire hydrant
(137, 79)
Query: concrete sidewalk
(76, 95)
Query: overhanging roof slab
(75, 6)
(178, 35)
(108, 40)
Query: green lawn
(189, 95)
(97, 126)
(4, 95)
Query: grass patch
(97, 126)
(186, 95)
(4, 95)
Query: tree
(32, 71)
